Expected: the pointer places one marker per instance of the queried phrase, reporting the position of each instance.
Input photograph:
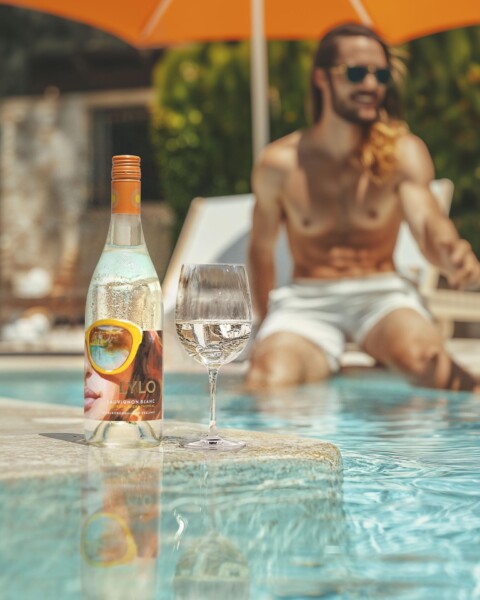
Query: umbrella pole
(259, 79)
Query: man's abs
(338, 254)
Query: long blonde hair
(377, 155)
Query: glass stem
(212, 376)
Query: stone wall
(50, 235)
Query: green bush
(201, 123)
(202, 116)
(442, 97)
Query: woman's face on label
(101, 391)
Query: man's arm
(267, 216)
(435, 233)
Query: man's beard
(348, 112)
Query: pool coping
(40, 440)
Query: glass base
(214, 443)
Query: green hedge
(202, 115)
(442, 96)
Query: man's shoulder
(408, 144)
(274, 164)
(413, 158)
(281, 154)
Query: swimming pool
(403, 523)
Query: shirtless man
(342, 189)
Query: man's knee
(283, 361)
(273, 370)
(423, 361)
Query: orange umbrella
(147, 23)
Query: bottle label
(123, 372)
(126, 197)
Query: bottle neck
(125, 230)
(125, 224)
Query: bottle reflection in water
(119, 536)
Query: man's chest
(327, 200)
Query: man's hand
(459, 264)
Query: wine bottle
(123, 322)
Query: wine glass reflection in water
(213, 321)
(212, 567)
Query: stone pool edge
(43, 440)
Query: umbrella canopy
(147, 23)
(150, 23)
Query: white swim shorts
(330, 312)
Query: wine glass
(213, 319)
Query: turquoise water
(403, 523)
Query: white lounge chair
(218, 229)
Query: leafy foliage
(202, 122)
(202, 115)
(442, 97)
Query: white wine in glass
(213, 319)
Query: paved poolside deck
(42, 440)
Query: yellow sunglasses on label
(112, 345)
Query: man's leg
(285, 359)
(409, 343)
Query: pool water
(403, 523)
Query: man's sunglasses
(357, 73)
